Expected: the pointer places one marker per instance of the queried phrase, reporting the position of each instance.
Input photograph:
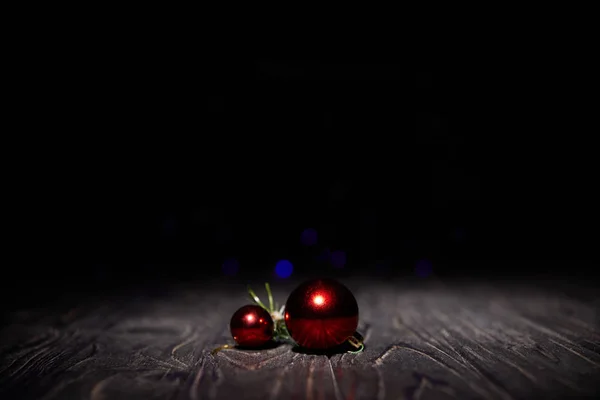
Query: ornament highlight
(321, 314)
(251, 326)
(324, 314)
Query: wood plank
(468, 341)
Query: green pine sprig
(280, 330)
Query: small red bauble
(321, 313)
(251, 326)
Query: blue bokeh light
(309, 237)
(423, 268)
(284, 268)
(231, 267)
(338, 259)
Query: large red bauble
(321, 313)
(251, 326)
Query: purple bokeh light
(231, 267)
(423, 268)
(309, 237)
(338, 259)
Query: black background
(150, 165)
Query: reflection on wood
(463, 342)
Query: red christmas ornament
(251, 326)
(321, 313)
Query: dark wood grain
(467, 341)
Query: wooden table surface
(423, 341)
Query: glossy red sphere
(251, 326)
(321, 313)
